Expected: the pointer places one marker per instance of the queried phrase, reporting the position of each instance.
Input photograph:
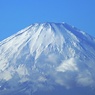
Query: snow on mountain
(45, 56)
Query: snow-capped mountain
(48, 59)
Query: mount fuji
(48, 59)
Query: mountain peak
(45, 55)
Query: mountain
(48, 59)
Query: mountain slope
(47, 56)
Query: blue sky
(18, 14)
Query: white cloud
(85, 78)
(6, 75)
(67, 65)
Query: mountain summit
(48, 59)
